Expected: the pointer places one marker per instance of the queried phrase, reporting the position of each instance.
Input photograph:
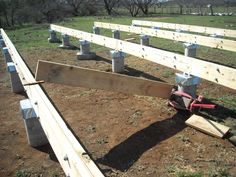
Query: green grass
(228, 22)
(189, 174)
(23, 173)
(33, 37)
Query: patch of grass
(23, 173)
(183, 138)
(229, 101)
(210, 21)
(167, 74)
(221, 172)
(189, 174)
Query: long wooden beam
(213, 72)
(69, 152)
(218, 43)
(89, 78)
(189, 28)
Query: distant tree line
(18, 12)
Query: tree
(4, 13)
(110, 4)
(181, 4)
(132, 7)
(13, 7)
(48, 8)
(144, 5)
(75, 4)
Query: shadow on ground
(125, 154)
(48, 149)
(131, 71)
(220, 113)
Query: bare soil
(126, 135)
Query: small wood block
(130, 39)
(207, 126)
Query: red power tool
(184, 101)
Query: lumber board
(207, 126)
(224, 44)
(62, 140)
(210, 71)
(89, 78)
(189, 28)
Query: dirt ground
(126, 135)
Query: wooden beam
(189, 28)
(207, 126)
(67, 149)
(212, 72)
(89, 78)
(218, 43)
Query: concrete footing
(215, 35)
(178, 30)
(116, 34)
(187, 83)
(53, 37)
(85, 53)
(144, 40)
(96, 30)
(66, 42)
(190, 49)
(117, 61)
(16, 85)
(35, 134)
(6, 54)
(2, 43)
(155, 27)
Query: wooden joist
(189, 28)
(89, 78)
(207, 126)
(67, 149)
(212, 72)
(218, 43)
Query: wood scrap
(207, 126)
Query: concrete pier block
(34, 131)
(2, 43)
(155, 27)
(6, 54)
(215, 35)
(85, 51)
(117, 61)
(16, 85)
(53, 37)
(190, 50)
(116, 34)
(66, 42)
(178, 30)
(96, 30)
(144, 40)
(187, 83)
